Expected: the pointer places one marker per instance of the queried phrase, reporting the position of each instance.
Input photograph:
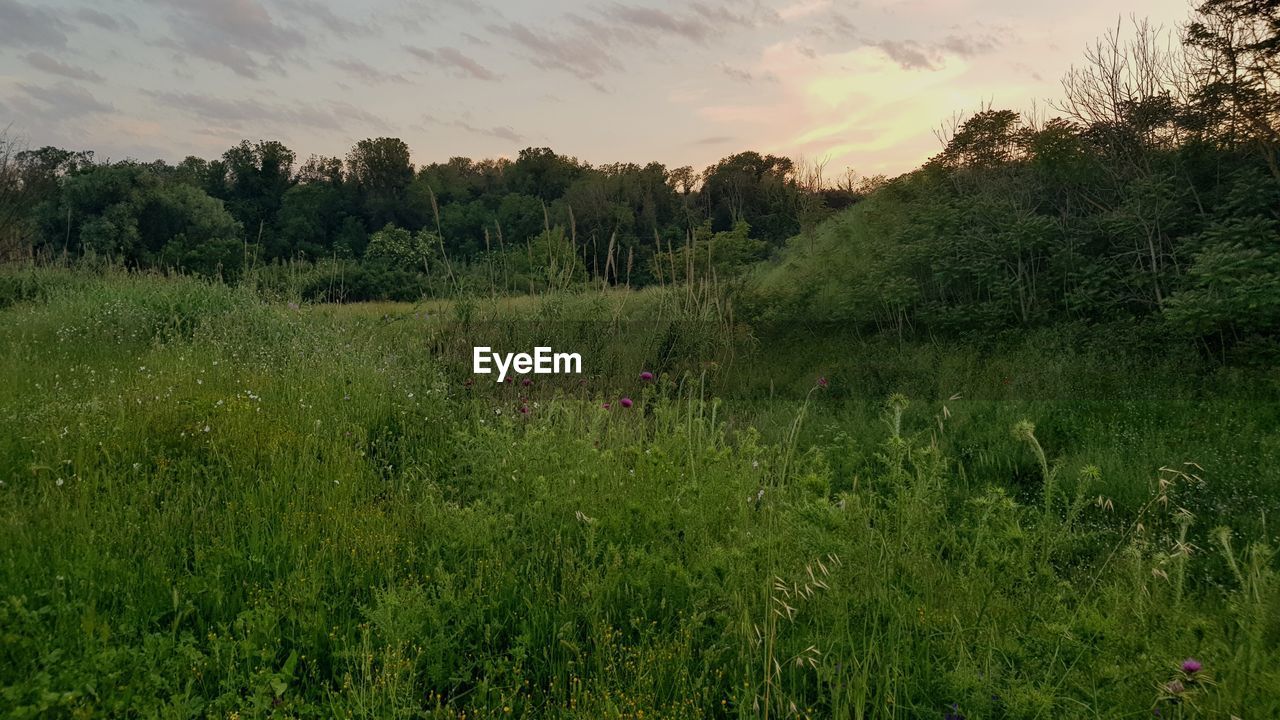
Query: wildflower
(1191, 666)
(646, 376)
(626, 402)
(526, 382)
(605, 406)
(954, 714)
(1175, 687)
(524, 409)
(823, 381)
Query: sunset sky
(859, 84)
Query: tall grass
(214, 506)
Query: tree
(1235, 57)
(402, 249)
(257, 177)
(989, 138)
(310, 218)
(13, 199)
(542, 173)
(125, 211)
(381, 170)
(758, 189)
(321, 169)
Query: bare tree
(12, 197)
(1126, 90)
(1129, 96)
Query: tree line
(456, 220)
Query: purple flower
(1191, 666)
(526, 382)
(605, 406)
(646, 376)
(822, 381)
(626, 402)
(524, 409)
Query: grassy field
(215, 506)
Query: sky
(851, 84)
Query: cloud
(501, 132)
(42, 62)
(907, 53)
(721, 16)
(580, 57)
(58, 102)
(25, 26)
(747, 76)
(913, 55)
(453, 60)
(366, 72)
(318, 13)
(652, 19)
(968, 46)
(103, 20)
(588, 45)
(254, 114)
(803, 8)
(714, 140)
(231, 33)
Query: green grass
(217, 507)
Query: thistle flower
(1175, 687)
(605, 406)
(822, 381)
(626, 402)
(646, 376)
(526, 382)
(1191, 666)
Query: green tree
(380, 170)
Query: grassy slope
(212, 505)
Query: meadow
(216, 503)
